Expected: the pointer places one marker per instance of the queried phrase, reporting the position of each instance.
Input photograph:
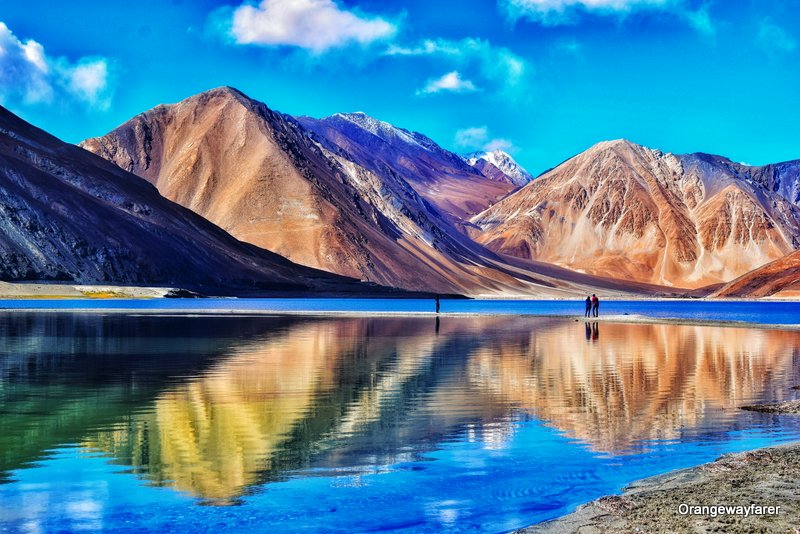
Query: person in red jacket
(595, 305)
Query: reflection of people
(437, 304)
(588, 307)
(437, 325)
(595, 305)
(595, 331)
(588, 330)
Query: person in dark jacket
(588, 307)
(595, 305)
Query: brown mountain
(628, 212)
(780, 278)
(269, 181)
(68, 215)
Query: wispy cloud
(497, 66)
(314, 25)
(565, 11)
(29, 76)
(472, 138)
(560, 12)
(699, 19)
(773, 38)
(451, 82)
(499, 144)
(477, 138)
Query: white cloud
(498, 66)
(88, 80)
(451, 82)
(477, 138)
(29, 76)
(316, 25)
(772, 37)
(33, 52)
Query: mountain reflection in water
(217, 406)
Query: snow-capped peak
(505, 163)
(385, 130)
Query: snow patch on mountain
(505, 163)
(386, 131)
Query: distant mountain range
(361, 198)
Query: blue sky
(543, 78)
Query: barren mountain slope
(779, 278)
(628, 212)
(67, 215)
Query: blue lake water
(114, 422)
(760, 312)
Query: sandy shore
(767, 477)
(50, 290)
(34, 291)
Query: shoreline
(51, 291)
(767, 477)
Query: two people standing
(592, 306)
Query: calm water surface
(760, 312)
(231, 423)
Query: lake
(757, 312)
(228, 423)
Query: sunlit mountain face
(243, 402)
